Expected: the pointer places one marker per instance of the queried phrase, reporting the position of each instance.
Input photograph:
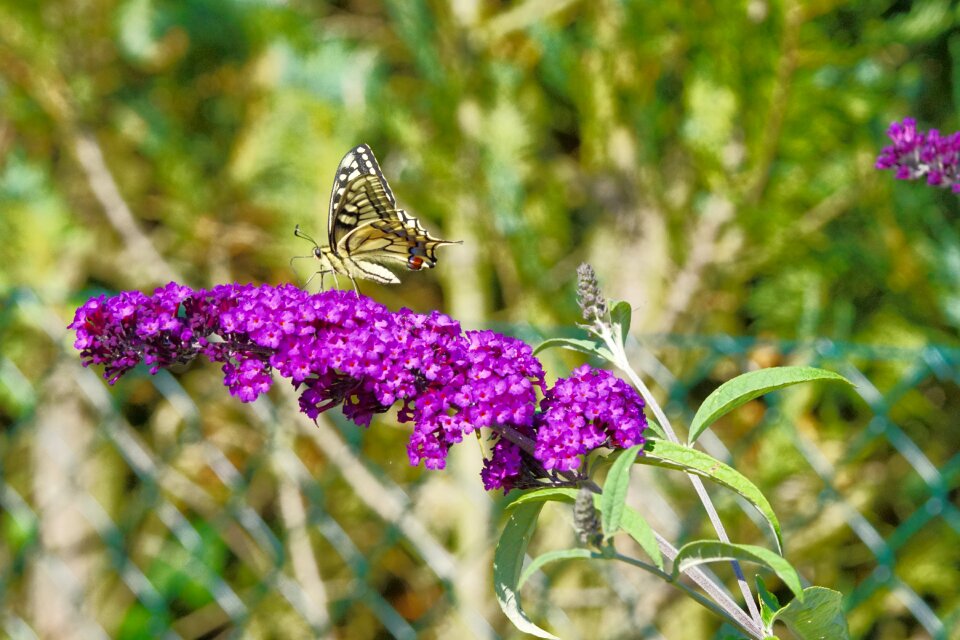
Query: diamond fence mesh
(162, 508)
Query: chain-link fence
(163, 508)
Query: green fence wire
(162, 508)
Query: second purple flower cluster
(916, 154)
(342, 349)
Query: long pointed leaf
(769, 605)
(638, 528)
(663, 453)
(615, 491)
(819, 615)
(507, 563)
(744, 388)
(590, 347)
(704, 551)
(553, 556)
(539, 496)
(621, 314)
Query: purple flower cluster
(915, 154)
(491, 382)
(338, 348)
(590, 409)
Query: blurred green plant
(714, 162)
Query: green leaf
(635, 525)
(654, 426)
(590, 347)
(615, 491)
(539, 496)
(769, 605)
(818, 615)
(621, 313)
(507, 563)
(553, 556)
(742, 389)
(704, 551)
(663, 453)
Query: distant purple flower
(915, 154)
(340, 349)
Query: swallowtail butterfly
(366, 230)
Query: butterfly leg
(322, 273)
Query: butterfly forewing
(364, 200)
(360, 193)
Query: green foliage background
(713, 161)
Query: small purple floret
(340, 349)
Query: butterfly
(366, 230)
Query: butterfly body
(365, 228)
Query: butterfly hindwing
(401, 240)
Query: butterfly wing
(360, 194)
(402, 240)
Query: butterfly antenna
(301, 234)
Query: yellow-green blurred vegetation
(712, 160)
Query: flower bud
(591, 301)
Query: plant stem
(742, 621)
(750, 625)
